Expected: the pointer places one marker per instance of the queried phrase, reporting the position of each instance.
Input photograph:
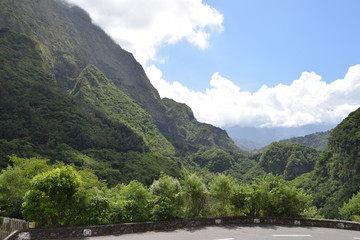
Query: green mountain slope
(39, 119)
(68, 42)
(70, 94)
(32, 106)
(94, 88)
(337, 171)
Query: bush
(167, 200)
(53, 197)
(351, 210)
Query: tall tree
(195, 195)
(167, 201)
(53, 197)
(15, 182)
(221, 190)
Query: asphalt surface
(240, 233)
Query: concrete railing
(118, 229)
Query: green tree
(134, 202)
(351, 210)
(53, 197)
(221, 190)
(92, 211)
(93, 206)
(167, 201)
(195, 195)
(15, 182)
(240, 199)
(276, 197)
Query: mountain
(316, 140)
(68, 42)
(69, 93)
(336, 176)
(251, 138)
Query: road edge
(119, 229)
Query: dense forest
(86, 139)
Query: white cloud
(142, 26)
(307, 100)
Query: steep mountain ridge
(68, 42)
(33, 107)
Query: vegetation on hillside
(351, 210)
(38, 119)
(68, 42)
(96, 90)
(288, 159)
(336, 175)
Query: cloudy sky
(260, 63)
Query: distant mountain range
(318, 140)
(251, 138)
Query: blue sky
(257, 63)
(270, 42)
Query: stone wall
(118, 229)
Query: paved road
(241, 233)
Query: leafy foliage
(273, 196)
(351, 210)
(61, 195)
(135, 202)
(52, 197)
(195, 196)
(167, 199)
(15, 182)
(221, 189)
